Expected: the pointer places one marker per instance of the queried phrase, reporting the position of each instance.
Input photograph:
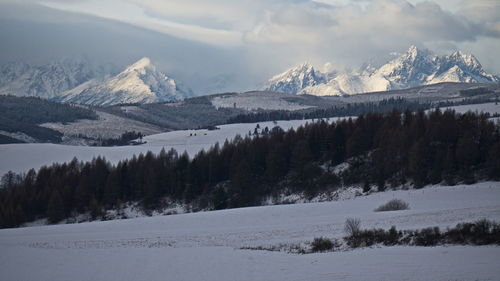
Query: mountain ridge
(415, 67)
(47, 81)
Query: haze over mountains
(50, 80)
(415, 67)
(80, 81)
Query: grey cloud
(351, 34)
(38, 35)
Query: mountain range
(49, 80)
(415, 67)
(80, 81)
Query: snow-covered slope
(491, 108)
(295, 79)
(139, 83)
(257, 101)
(413, 68)
(206, 245)
(460, 67)
(107, 126)
(48, 81)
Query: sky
(228, 45)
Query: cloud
(483, 12)
(130, 12)
(356, 31)
(304, 22)
(378, 21)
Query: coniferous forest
(382, 151)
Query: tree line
(350, 109)
(381, 150)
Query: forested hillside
(377, 151)
(191, 113)
(24, 114)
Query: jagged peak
(412, 49)
(416, 66)
(141, 64)
(305, 67)
(413, 52)
(468, 59)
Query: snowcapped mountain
(413, 68)
(47, 81)
(463, 68)
(139, 83)
(295, 79)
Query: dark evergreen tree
(386, 150)
(55, 208)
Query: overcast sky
(236, 44)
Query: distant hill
(21, 116)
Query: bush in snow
(321, 245)
(430, 236)
(352, 227)
(481, 232)
(393, 205)
(369, 237)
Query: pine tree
(95, 209)
(55, 208)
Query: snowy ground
(107, 126)
(206, 246)
(491, 108)
(22, 157)
(258, 100)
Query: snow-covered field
(258, 100)
(107, 126)
(491, 108)
(22, 157)
(206, 246)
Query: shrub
(364, 238)
(369, 237)
(392, 236)
(393, 205)
(321, 245)
(481, 232)
(430, 236)
(352, 227)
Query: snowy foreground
(22, 157)
(206, 246)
